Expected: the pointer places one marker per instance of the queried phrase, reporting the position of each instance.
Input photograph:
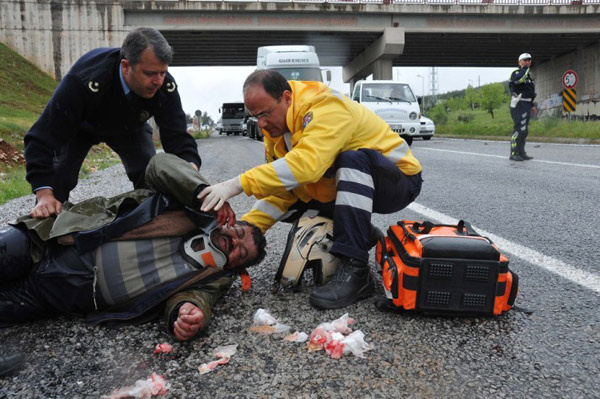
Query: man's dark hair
(273, 82)
(259, 241)
(142, 38)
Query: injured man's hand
(189, 321)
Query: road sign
(569, 99)
(569, 79)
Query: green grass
(13, 185)
(204, 134)
(546, 129)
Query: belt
(526, 99)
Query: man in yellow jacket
(325, 152)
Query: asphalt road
(542, 213)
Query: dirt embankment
(9, 155)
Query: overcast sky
(206, 88)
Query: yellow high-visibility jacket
(322, 124)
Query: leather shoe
(10, 363)
(515, 157)
(351, 282)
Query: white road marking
(562, 269)
(506, 157)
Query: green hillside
(24, 92)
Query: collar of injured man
(226, 248)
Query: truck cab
(294, 62)
(233, 118)
(394, 102)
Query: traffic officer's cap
(525, 56)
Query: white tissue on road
(143, 389)
(223, 353)
(266, 324)
(297, 337)
(335, 337)
(165, 347)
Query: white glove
(216, 195)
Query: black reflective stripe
(501, 288)
(410, 282)
(286, 253)
(406, 232)
(514, 289)
(423, 228)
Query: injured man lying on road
(129, 257)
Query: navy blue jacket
(521, 82)
(90, 100)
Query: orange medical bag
(444, 269)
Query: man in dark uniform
(522, 106)
(129, 257)
(107, 96)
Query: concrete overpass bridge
(363, 36)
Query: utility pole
(422, 92)
(433, 75)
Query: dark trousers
(520, 116)
(61, 283)
(367, 182)
(135, 150)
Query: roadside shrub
(466, 118)
(438, 114)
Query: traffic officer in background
(522, 106)
(107, 96)
(325, 152)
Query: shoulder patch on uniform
(94, 86)
(307, 118)
(171, 86)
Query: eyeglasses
(266, 114)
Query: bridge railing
(441, 2)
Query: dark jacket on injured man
(139, 232)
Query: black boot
(10, 363)
(515, 157)
(525, 156)
(375, 236)
(352, 281)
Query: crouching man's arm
(189, 312)
(169, 174)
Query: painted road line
(562, 269)
(505, 157)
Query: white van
(394, 102)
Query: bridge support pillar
(377, 58)
(382, 69)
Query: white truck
(395, 103)
(294, 62)
(233, 118)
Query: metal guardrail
(438, 2)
